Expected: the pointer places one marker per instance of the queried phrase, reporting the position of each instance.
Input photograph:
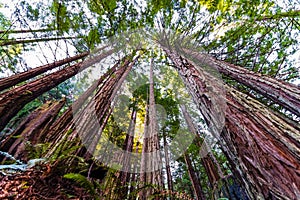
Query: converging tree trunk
(263, 149)
(127, 147)
(88, 121)
(127, 167)
(194, 179)
(101, 105)
(144, 160)
(208, 160)
(283, 93)
(15, 99)
(153, 133)
(29, 41)
(64, 123)
(32, 130)
(167, 160)
(151, 158)
(18, 78)
(212, 169)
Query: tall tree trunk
(58, 132)
(18, 78)
(102, 103)
(127, 147)
(84, 124)
(194, 179)
(285, 94)
(262, 148)
(12, 101)
(64, 123)
(144, 161)
(153, 134)
(167, 160)
(134, 175)
(25, 31)
(32, 130)
(212, 169)
(28, 41)
(124, 174)
(151, 159)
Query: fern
(82, 181)
(37, 150)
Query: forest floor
(40, 183)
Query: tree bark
(195, 182)
(128, 145)
(124, 174)
(134, 175)
(144, 161)
(262, 148)
(64, 122)
(167, 160)
(18, 78)
(209, 165)
(151, 158)
(32, 130)
(27, 41)
(12, 101)
(25, 31)
(283, 93)
(153, 134)
(80, 119)
(102, 103)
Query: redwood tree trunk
(18, 78)
(151, 158)
(194, 179)
(262, 148)
(83, 126)
(27, 41)
(102, 104)
(134, 176)
(153, 133)
(283, 93)
(208, 163)
(32, 130)
(167, 160)
(128, 145)
(144, 162)
(64, 122)
(124, 174)
(12, 101)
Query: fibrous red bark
(15, 99)
(32, 130)
(18, 78)
(283, 93)
(263, 149)
(151, 158)
(212, 169)
(194, 179)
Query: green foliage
(83, 182)
(37, 150)
(4, 22)
(63, 22)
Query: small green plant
(83, 182)
(36, 151)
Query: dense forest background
(104, 99)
